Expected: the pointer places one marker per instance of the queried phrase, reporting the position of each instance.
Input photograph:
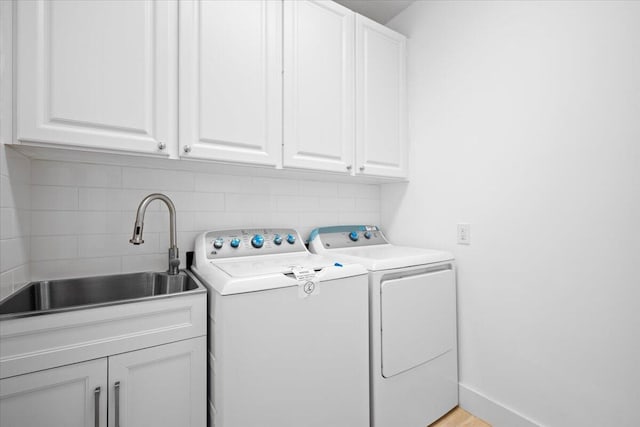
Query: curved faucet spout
(136, 239)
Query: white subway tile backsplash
(105, 245)
(318, 188)
(157, 179)
(348, 218)
(54, 223)
(13, 253)
(275, 219)
(260, 185)
(79, 267)
(8, 229)
(54, 198)
(156, 262)
(367, 191)
(100, 199)
(15, 205)
(337, 204)
(209, 202)
(214, 183)
(78, 218)
(204, 221)
(247, 202)
(45, 172)
(53, 247)
(297, 203)
(6, 193)
(6, 283)
(367, 205)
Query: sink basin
(70, 294)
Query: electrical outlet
(464, 234)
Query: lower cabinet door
(159, 386)
(69, 396)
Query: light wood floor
(458, 417)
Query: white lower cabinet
(69, 396)
(162, 386)
(157, 386)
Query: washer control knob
(353, 236)
(367, 234)
(291, 239)
(277, 239)
(235, 242)
(257, 241)
(218, 243)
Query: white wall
(15, 200)
(525, 122)
(82, 214)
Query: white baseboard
(491, 411)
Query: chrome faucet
(174, 260)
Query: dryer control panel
(252, 241)
(346, 236)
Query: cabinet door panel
(97, 74)
(63, 396)
(160, 386)
(318, 85)
(381, 146)
(231, 80)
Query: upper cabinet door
(231, 81)
(98, 74)
(381, 127)
(318, 85)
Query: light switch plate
(464, 234)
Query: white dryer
(288, 332)
(413, 340)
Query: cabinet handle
(116, 387)
(161, 145)
(361, 168)
(96, 410)
(349, 167)
(187, 148)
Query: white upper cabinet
(318, 85)
(381, 142)
(97, 74)
(231, 81)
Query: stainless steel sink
(86, 292)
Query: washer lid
(274, 264)
(263, 272)
(387, 256)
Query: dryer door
(418, 318)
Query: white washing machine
(288, 332)
(413, 342)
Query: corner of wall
(15, 219)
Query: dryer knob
(218, 243)
(353, 236)
(367, 234)
(277, 239)
(291, 239)
(257, 241)
(235, 242)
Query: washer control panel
(252, 241)
(345, 236)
